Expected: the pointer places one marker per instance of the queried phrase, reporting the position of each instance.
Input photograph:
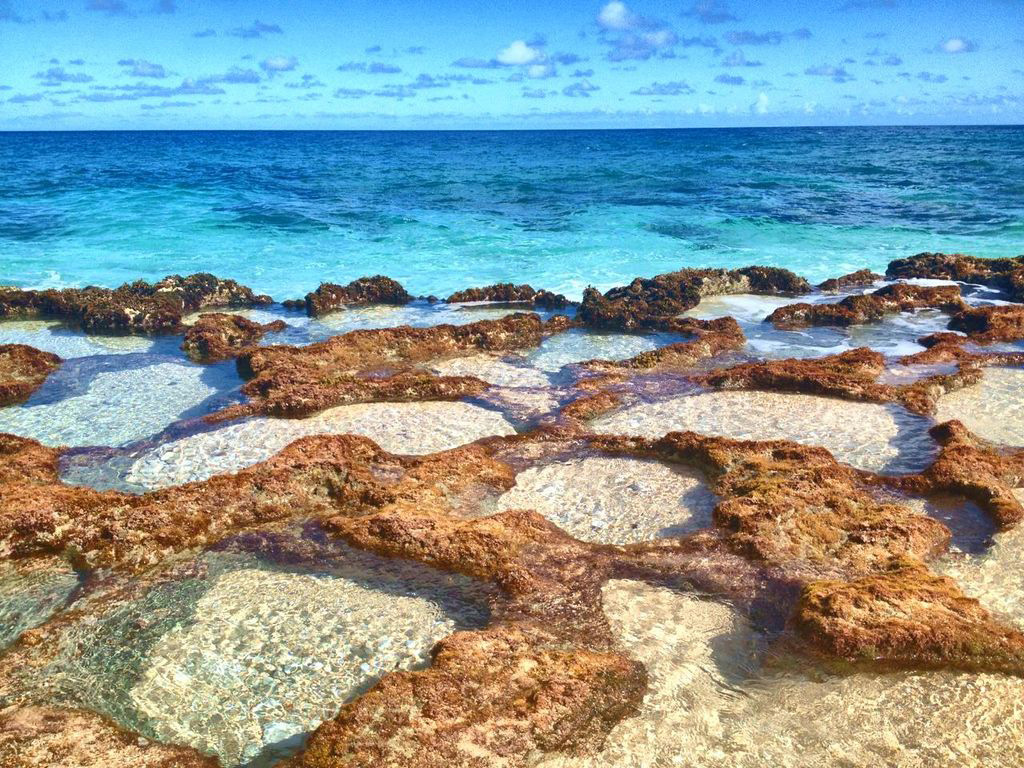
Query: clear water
(440, 211)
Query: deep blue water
(282, 211)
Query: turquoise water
(440, 210)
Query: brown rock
(502, 696)
(134, 307)
(990, 324)
(869, 308)
(44, 737)
(713, 337)
(23, 370)
(508, 293)
(290, 381)
(1005, 274)
(215, 337)
(656, 303)
(366, 290)
(859, 279)
(907, 616)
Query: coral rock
(366, 290)
(990, 324)
(509, 293)
(859, 279)
(38, 737)
(656, 302)
(217, 336)
(1005, 274)
(870, 307)
(23, 370)
(907, 616)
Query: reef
(1006, 275)
(138, 307)
(859, 279)
(871, 307)
(23, 370)
(31, 737)
(374, 366)
(509, 293)
(986, 325)
(656, 302)
(366, 290)
(216, 336)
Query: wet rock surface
(138, 307)
(1005, 274)
(825, 560)
(509, 293)
(871, 307)
(366, 290)
(216, 336)
(23, 370)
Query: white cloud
(615, 15)
(279, 64)
(540, 71)
(519, 54)
(958, 45)
(761, 105)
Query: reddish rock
(215, 337)
(990, 324)
(859, 279)
(713, 337)
(23, 370)
(656, 303)
(967, 466)
(503, 696)
(509, 293)
(1005, 274)
(869, 308)
(134, 307)
(46, 737)
(907, 616)
(366, 290)
(372, 365)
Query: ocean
(438, 211)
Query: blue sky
(165, 64)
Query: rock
(502, 696)
(33, 737)
(713, 337)
(508, 293)
(23, 370)
(373, 366)
(215, 337)
(656, 303)
(1005, 274)
(990, 324)
(907, 616)
(366, 290)
(137, 307)
(859, 279)
(869, 308)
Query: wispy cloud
(711, 12)
(836, 74)
(737, 59)
(730, 79)
(864, 5)
(276, 64)
(59, 76)
(370, 67)
(931, 77)
(255, 30)
(142, 68)
(165, 6)
(674, 88)
(957, 45)
(205, 33)
(234, 76)
(110, 7)
(580, 89)
(631, 36)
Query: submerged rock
(990, 324)
(656, 303)
(23, 370)
(993, 408)
(1005, 274)
(32, 737)
(366, 290)
(216, 336)
(133, 307)
(869, 308)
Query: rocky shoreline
(833, 563)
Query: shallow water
(993, 409)
(31, 592)
(115, 401)
(409, 428)
(880, 438)
(711, 704)
(241, 658)
(613, 500)
(54, 337)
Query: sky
(462, 64)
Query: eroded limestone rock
(23, 370)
